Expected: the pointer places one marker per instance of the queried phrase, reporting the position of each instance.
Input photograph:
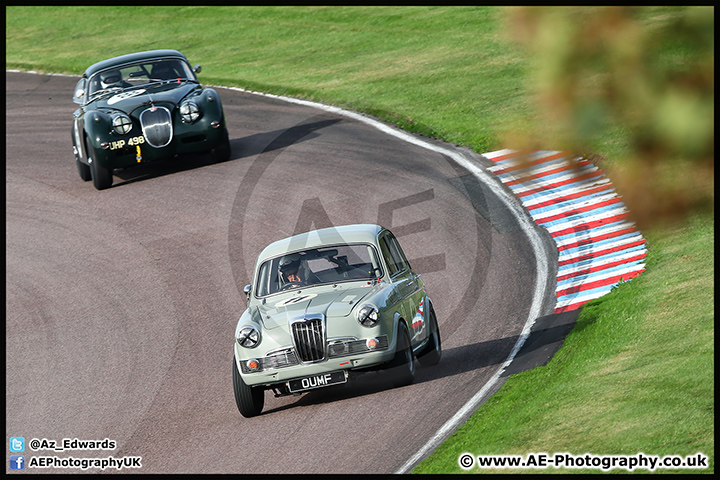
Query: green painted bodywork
(92, 122)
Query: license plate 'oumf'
(317, 381)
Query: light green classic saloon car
(327, 305)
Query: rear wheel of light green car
(433, 351)
(250, 400)
(401, 369)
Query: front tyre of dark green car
(102, 177)
(83, 170)
(221, 153)
(401, 369)
(249, 400)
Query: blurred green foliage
(642, 73)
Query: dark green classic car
(142, 107)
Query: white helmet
(289, 264)
(111, 78)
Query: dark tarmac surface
(121, 304)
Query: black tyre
(83, 170)
(250, 400)
(433, 351)
(102, 177)
(221, 153)
(401, 369)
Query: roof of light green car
(130, 58)
(345, 234)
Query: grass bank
(441, 72)
(637, 373)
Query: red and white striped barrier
(572, 198)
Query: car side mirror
(197, 69)
(79, 94)
(246, 291)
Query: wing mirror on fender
(79, 94)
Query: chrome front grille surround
(337, 347)
(345, 347)
(157, 126)
(279, 359)
(308, 336)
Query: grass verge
(414, 66)
(635, 375)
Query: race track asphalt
(121, 304)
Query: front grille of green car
(309, 339)
(156, 125)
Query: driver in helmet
(291, 270)
(110, 79)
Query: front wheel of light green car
(250, 400)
